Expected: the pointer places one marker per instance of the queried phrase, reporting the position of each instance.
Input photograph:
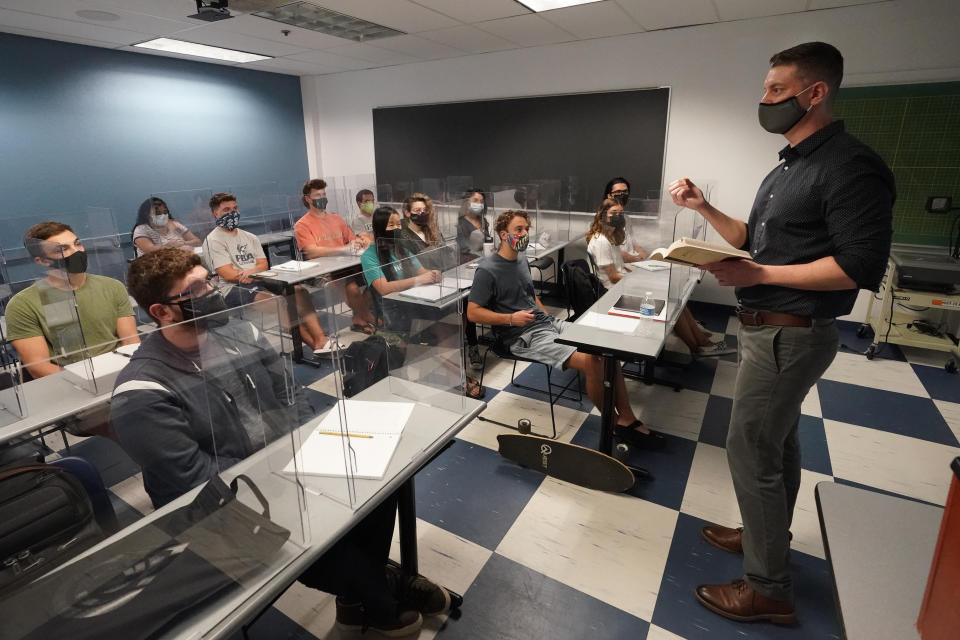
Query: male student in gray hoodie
(198, 397)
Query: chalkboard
(582, 140)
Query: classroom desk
(462, 273)
(277, 237)
(879, 549)
(555, 247)
(429, 431)
(49, 400)
(613, 347)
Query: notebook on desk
(374, 428)
(434, 292)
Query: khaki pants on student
(778, 365)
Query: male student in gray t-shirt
(503, 297)
(235, 255)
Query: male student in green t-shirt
(41, 321)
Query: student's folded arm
(229, 273)
(482, 315)
(35, 355)
(127, 330)
(146, 245)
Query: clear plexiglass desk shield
(188, 207)
(12, 402)
(207, 408)
(394, 393)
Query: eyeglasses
(619, 193)
(196, 289)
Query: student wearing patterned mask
(155, 228)
(237, 255)
(502, 296)
(322, 233)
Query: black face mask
(202, 308)
(421, 218)
(780, 117)
(617, 222)
(73, 264)
(320, 203)
(622, 199)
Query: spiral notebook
(375, 429)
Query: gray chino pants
(778, 365)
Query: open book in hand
(692, 252)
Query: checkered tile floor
(537, 558)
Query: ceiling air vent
(316, 18)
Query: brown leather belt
(777, 319)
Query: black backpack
(367, 362)
(583, 288)
(45, 519)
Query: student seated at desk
(198, 397)
(155, 228)
(322, 233)
(473, 231)
(236, 255)
(611, 247)
(362, 221)
(503, 297)
(419, 231)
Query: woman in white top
(156, 228)
(611, 247)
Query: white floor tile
(725, 380)
(710, 496)
(132, 492)
(509, 408)
(733, 325)
(445, 558)
(497, 373)
(880, 373)
(659, 633)
(811, 404)
(313, 610)
(908, 466)
(679, 413)
(951, 413)
(925, 356)
(326, 384)
(611, 546)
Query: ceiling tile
(527, 31)
(171, 9)
(597, 20)
(656, 14)
(219, 34)
(470, 11)
(370, 53)
(59, 38)
(420, 47)
(272, 30)
(58, 27)
(397, 14)
(830, 4)
(125, 19)
(332, 60)
(746, 9)
(291, 67)
(469, 39)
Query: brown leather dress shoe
(724, 538)
(738, 601)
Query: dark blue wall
(82, 126)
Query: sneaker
(329, 347)
(473, 354)
(715, 349)
(705, 331)
(351, 617)
(418, 593)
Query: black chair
(503, 352)
(541, 265)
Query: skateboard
(573, 463)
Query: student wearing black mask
(618, 189)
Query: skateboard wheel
(621, 452)
(524, 426)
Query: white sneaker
(716, 349)
(328, 348)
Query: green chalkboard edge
(900, 91)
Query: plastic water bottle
(647, 307)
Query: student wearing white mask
(155, 228)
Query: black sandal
(651, 441)
(472, 389)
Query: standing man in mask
(820, 229)
(41, 321)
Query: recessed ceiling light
(547, 5)
(333, 23)
(200, 50)
(93, 14)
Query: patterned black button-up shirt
(831, 195)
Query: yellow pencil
(337, 433)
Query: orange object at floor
(940, 612)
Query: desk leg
(608, 418)
(293, 316)
(407, 515)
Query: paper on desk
(653, 265)
(607, 322)
(435, 292)
(294, 265)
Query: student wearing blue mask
(155, 228)
(502, 296)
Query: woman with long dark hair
(155, 228)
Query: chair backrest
(581, 286)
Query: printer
(926, 270)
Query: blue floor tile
(814, 454)
(696, 376)
(535, 375)
(940, 384)
(508, 600)
(899, 413)
(692, 562)
(670, 467)
(126, 515)
(111, 461)
(274, 625)
(713, 316)
(474, 493)
(733, 343)
(716, 421)
(848, 336)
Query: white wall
(715, 73)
